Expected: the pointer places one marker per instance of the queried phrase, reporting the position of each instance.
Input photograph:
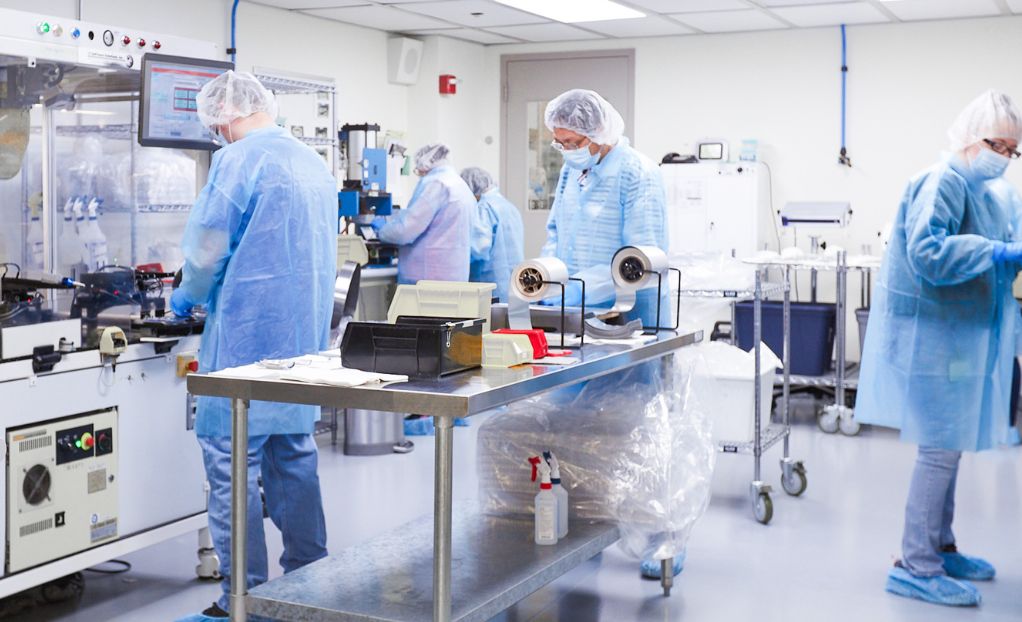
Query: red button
(126, 40)
(157, 45)
(193, 366)
(141, 43)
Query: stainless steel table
(460, 395)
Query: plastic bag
(634, 448)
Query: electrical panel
(62, 488)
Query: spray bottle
(546, 503)
(69, 250)
(559, 492)
(93, 238)
(34, 237)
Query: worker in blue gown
(261, 255)
(497, 233)
(941, 344)
(608, 196)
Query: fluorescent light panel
(573, 11)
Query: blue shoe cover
(940, 590)
(650, 568)
(461, 422)
(422, 426)
(969, 568)
(198, 617)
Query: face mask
(580, 158)
(989, 165)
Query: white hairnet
(431, 156)
(586, 113)
(991, 115)
(478, 180)
(231, 96)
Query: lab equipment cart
(793, 472)
(497, 563)
(844, 377)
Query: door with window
(529, 165)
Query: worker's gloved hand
(179, 305)
(572, 295)
(378, 223)
(1007, 251)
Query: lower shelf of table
(390, 578)
(769, 437)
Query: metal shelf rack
(284, 83)
(793, 472)
(838, 416)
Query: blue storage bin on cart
(812, 333)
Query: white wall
(906, 84)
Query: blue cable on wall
(843, 158)
(233, 50)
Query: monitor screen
(167, 112)
(711, 151)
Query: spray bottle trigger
(534, 461)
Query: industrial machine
(364, 196)
(100, 161)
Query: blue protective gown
(619, 202)
(433, 232)
(497, 241)
(260, 251)
(941, 343)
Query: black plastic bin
(418, 347)
(812, 333)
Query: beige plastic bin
(443, 299)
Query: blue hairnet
(430, 157)
(991, 115)
(478, 180)
(586, 113)
(232, 96)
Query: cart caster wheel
(829, 421)
(763, 508)
(849, 426)
(796, 484)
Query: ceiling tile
(545, 32)
(831, 14)
(380, 17)
(1015, 6)
(689, 6)
(468, 34)
(730, 21)
(941, 9)
(652, 26)
(461, 12)
(777, 3)
(310, 4)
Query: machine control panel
(75, 444)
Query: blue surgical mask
(988, 165)
(580, 159)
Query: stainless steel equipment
(482, 594)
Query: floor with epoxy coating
(824, 556)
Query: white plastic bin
(723, 385)
(443, 299)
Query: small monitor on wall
(712, 151)
(168, 112)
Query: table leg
(239, 508)
(443, 474)
(667, 575)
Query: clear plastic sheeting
(634, 448)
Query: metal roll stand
(793, 472)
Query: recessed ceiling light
(572, 11)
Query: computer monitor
(167, 112)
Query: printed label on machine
(102, 530)
(97, 481)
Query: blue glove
(1007, 251)
(378, 223)
(179, 305)
(572, 295)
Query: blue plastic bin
(812, 333)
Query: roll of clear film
(530, 283)
(634, 268)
